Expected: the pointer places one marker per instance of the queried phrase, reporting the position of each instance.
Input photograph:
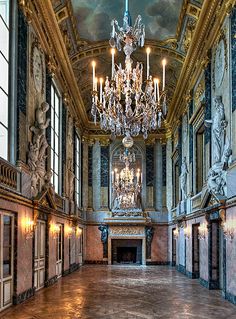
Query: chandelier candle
(164, 74)
(112, 63)
(101, 81)
(93, 65)
(148, 66)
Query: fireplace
(127, 251)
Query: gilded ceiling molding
(207, 29)
(46, 23)
(51, 65)
(101, 47)
(25, 7)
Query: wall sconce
(55, 230)
(229, 227)
(78, 231)
(176, 233)
(69, 231)
(202, 231)
(187, 232)
(29, 228)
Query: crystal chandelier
(126, 104)
(126, 184)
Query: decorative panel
(90, 166)
(208, 102)
(22, 86)
(104, 166)
(150, 165)
(233, 57)
(180, 145)
(163, 165)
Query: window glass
(77, 171)
(4, 67)
(7, 245)
(55, 137)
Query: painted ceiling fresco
(94, 17)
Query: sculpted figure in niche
(37, 149)
(216, 182)
(183, 178)
(218, 124)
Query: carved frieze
(126, 230)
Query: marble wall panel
(94, 247)
(159, 252)
(231, 256)
(181, 247)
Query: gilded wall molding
(208, 27)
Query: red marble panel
(160, 244)
(94, 247)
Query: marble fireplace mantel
(127, 231)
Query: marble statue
(37, 150)
(149, 236)
(218, 125)
(221, 151)
(104, 239)
(183, 178)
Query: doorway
(6, 259)
(195, 251)
(39, 255)
(59, 251)
(214, 256)
(173, 248)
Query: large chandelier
(126, 185)
(126, 104)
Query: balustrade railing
(9, 175)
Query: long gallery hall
(117, 159)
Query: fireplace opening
(127, 251)
(126, 255)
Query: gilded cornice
(167, 48)
(45, 23)
(208, 27)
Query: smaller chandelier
(126, 104)
(126, 184)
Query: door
(72, 247)
(39, 255)
(214, 269)
(173, 248)
(59, 240)
(6, 259)
(195, 250)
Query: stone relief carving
(188, 34)
(220, 60)
(199, 94)
(37, 150)
(104, 236)
(126, 230)
(37, 66)
(221, 150)
(183, 178)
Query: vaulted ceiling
(86, 25)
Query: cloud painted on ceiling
(94, 17)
